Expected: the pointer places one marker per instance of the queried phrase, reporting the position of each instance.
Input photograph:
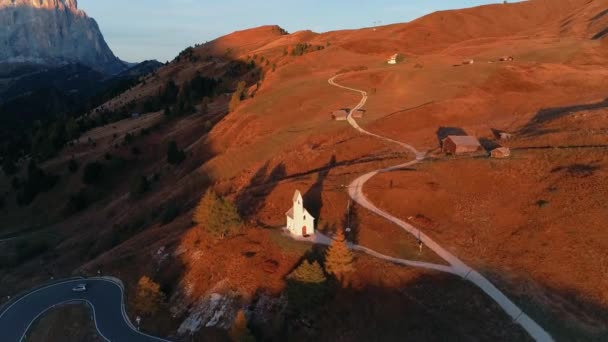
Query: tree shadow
(577, 170)
(533, 127)
(351, 223)
(444, 132)
(251, 198)
(489, 144)
(600, 34)
(313, 199)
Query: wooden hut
(455, 144)
(340, 115)
(501, 152)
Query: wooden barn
(455, 144)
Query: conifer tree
(238, 96)
(339, 260)
(239, 331)
(149, 298)
(308, 272)
(217, 216)
(306, 286)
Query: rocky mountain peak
(42, 4)
(52, 32)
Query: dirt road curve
(456, 265)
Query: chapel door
(304, 231)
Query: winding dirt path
(457, 266)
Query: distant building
(299, 221)
(358, 114)
(468, 62)
(501, 152)
(455, 144)
(506, 59)
(340, 115)
(505, 136)
(394, 59)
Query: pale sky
(137, 30)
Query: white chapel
(299, 221)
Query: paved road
(456, 265)
(104, 296)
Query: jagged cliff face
(53, 32)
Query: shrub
(174, 155)
(28, 249)
(217, 216)
(542, 203)
(72, 165)
(16, 183)
(207, 126)
(170, 213)
(9, 167)
(37, 181)
(140, 186)
(128, 139)
(77, 202)
(92, 173)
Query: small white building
(393, 59)
(340, 115)
(299, 221)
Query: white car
(80, 288)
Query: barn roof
(463, 140)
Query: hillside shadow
(566, 313)
(533, 127)
(313, 199)
(444, 132)
(385, 310)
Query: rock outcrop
(53, 32)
